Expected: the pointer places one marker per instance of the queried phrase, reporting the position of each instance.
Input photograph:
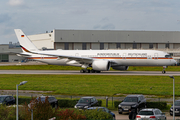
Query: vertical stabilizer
(24, 41)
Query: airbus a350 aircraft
(98, 60)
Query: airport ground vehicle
(103, 109)
(176, 108)
(150, 114)
(51, 99)
(134, 102)
(86, 102)
(7, 100)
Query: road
(154, 73)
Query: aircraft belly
(147, 62)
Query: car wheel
(120, 112)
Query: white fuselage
(121, 57)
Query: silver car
(150, 114)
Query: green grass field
(98, 85)
(55, 67)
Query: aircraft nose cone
(174, 62)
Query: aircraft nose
(174, 62)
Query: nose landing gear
(164, 70)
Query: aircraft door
(155, 56)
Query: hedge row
(67, 103)
(62, 103)
(160, 105)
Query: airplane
(96, 60)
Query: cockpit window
(168, 56)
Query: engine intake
(101, 65)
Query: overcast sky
(39, 16)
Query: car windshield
(177, 103)
(145, 113)
(42, 99)
(84, 100)
(2, 98)
(130, 99)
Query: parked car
(176, 108)
(86, 102)
(103, 109)
(133, 102)
(51, 99)
(7, 100)
(150, 114)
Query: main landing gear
(89, 71)
(164, 70)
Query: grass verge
(98, 85)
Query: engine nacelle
(101, 65)
(119, 67)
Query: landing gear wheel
(82, 71)
(92, 71)
(163, 72)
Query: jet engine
(101, 65)
(120, 67)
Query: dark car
(7, 100)
(51, 99)
(86, 102)
(133, 102)
(103, 109)
(150, 114)
(176, 108)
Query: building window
(101, 46)
(134, 45)
(66, 46)
(84, 46)
(118, 45)
(167, 45)
(150, 45)
(4, 58)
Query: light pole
(22, 83)
(173, 95)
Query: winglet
(25, 42)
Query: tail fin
(24, 41)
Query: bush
(41, 110)
(7, 113)
(97, 115)
(160, 105)
(23, 100)
(116, 103)
(68, 114)
(65, 103)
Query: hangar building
(168, 41)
